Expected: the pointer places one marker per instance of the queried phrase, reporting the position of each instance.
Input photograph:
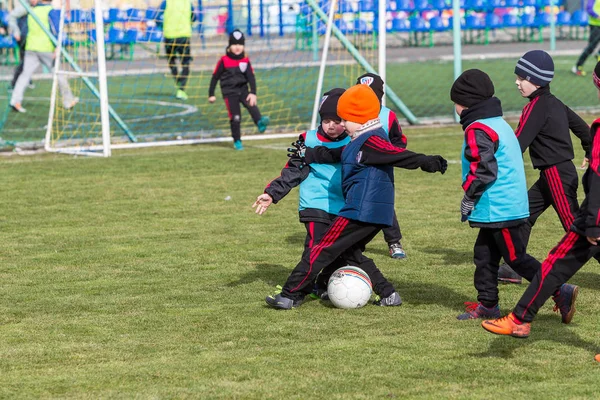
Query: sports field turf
(148, 106)
(134, 277)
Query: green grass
(133, 277)
(146, 102)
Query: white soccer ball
(349, 287)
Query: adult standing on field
(177, 18)
(593, 10)
(40, 50)
(17, 22)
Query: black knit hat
(328, 106)
(236, 37)
(536, 66)
(471, 87)
(596, 76)
(374, 81)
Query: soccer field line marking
(187, 109)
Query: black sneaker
(392, 300)
(565, 301)
(507, 275)
(282, 303)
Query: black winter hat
(596, 75)
(374, 81)
(328, 106)
(236, 37)
(536, 66)
(471, 87)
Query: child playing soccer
(544, 129)
(576, 248)
(495, 199)
(235, 74)
(368, 187)
(391, 126)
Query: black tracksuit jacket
(235, 73)
(544, 129)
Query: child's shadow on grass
(451, 256)
(546, 327)
(416, 293)
(271, 274)
(296, 238)
(587, 280)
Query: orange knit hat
(358, 104)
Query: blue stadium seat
(437, 24)
(440, 5)
(366, 5)
(405, 5)
(342, 26)
(510, 21)
(400, 25)
(151, 14)
(541, 19)
(474, 22)
(493, 21)
(346, 7)
(529, 3)
(563, 18)
(476, 5)
(422, 5)
(418, 24)
(361, 26)
(115, 15)
(136, 15)
(150, 35)
(579, 18)
(81, 16)
(493, 4)
(527, 20)
(511, 3)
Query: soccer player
(235, 74)
(495, 199)
(544, 129)
(368, 187)
(17, 22)
(391, 126)
(577, 247)
(321, 196)
(177, 17)
(39, 50)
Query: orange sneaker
(597, 358)
(507, 326)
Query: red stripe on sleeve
(382, 145)
(595, 161)
(526, 112)
(472, 144)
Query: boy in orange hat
(368, 187)
(575, 249)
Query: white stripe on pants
(32, 61)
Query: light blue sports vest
(322, 189)
(505, 199)
(384, 117)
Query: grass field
(135, 277)
(146, 101)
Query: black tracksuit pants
(593, 41)
(235, 113)
(19, 68)
(491, 245)
(346, 238)
(563, 261)
(174, 48)
(556, 187)
(392, 234)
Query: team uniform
(177, 16)
(494, 177)
(368, 187)
(573, 250)
(544, 129)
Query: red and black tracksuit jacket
(234, 74)
(544, 129)
(395, 133)
(573, 250)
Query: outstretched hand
(299, 149)
(262, 203)
(435, 164)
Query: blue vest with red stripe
(368, 189)
(505, 199)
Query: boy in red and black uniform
(576, 248)
(368, 187)
(391, 126)
(235, 73)
(544, 129)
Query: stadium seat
(151, 14)
(81, 16)
(422, 5)
(400, 25)
(475, 5)
(492, 22)
(579, 20)
(493, 4)
(420, 34)
(510, 21)
(441, 5)
(115, 15)
(563, 18)
(366, 6)
(405, 5)
(123, 38)
(342, 26)
(511, 3)
(10, 44)
(345, 7)
(135, 15)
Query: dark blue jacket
(368, 189)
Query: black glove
(435, 164)
(299, 150)
(466, 206)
